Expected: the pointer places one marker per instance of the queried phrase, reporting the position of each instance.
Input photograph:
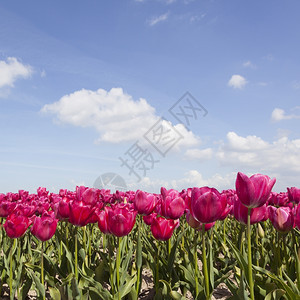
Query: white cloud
(237, 82)
(249, 64)
(11, 70)
(199, 154)
(282, 155)
(279, 114)
(158, 19)
(114, 114)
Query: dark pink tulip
(293, 194)
(42, 192)
(44, 227)
(281, 218)
(144, 202)
(297, 216)
(63, 209)
(27, 210)
(121, 219)
(6, 208)
(148, 219)
(172, 204)
(16, 225)
(253, 191)
(162, 229)
(278, 199)
(80, 213)
(207, 204)
(89, 196)
(103, 220)
(195, 224)
(258, 214)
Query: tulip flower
(257, 214)
(278, 199)
(253, 191)
(103, 219)
(294, 194)
(6, 208)
(162, 229)
(44, 227)
(297, 216)
(148, 219)
(172, 204)
(197, 225)
(144, 202)
(207, 204)
(282, 218)
(16, 225)
(121, 219)
(80, 213)
(89, 196)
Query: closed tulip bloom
(293, 194)
(121, 219)
(172, 204)
(89, 196)
(144, 202)
(281, 218)
(253, 191)
(195, 224)
(16, 225)
(103, 220)
(278, 199)
(162, 229)
(6, 208)
(149, 218)
(44, 227)
(258, 214)
(207, 204)
(297, 216)
(80, 213)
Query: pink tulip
(80, 213)
(172, 204)
(148, 219)
(103, 219)
(278, 199)
(195, 224)
(89, 196)
(294, 194)
(297, 216)
(253, 191)
(121, 219)
(258, 214)
(16, 225)
(162, 229)
(281, 218)
(6, 208)
(44, 227)
(144, 202)
(207, 204)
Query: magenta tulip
(281, 218)
(44, 227)
(297, 216)
(195, 224)
(172, 204)
(253, 191)
(278, 199)
(207, 204)
(121, 219)
(16, 225)
(6, 208)
(149, 218)
(103, 220)
(258, 214)
(80, 213)
(162, 229)
(294, 194)
(144, 202)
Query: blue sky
(82, 81)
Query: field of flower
(94, 244)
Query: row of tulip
(116, 213)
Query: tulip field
(94, 244)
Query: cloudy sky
(175, 93)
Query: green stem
(196, 262)
(251, 286)
(224, 231)
(91, 237)
(118, 267)
(42, 270)
(169, 246)
(157, 269)
(138, 258)
(110, 266)
(76, 254)
(11, 269)
(205, 270)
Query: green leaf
(54, 293)
(37, 282)
(275, 295)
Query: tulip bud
(261, 231)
